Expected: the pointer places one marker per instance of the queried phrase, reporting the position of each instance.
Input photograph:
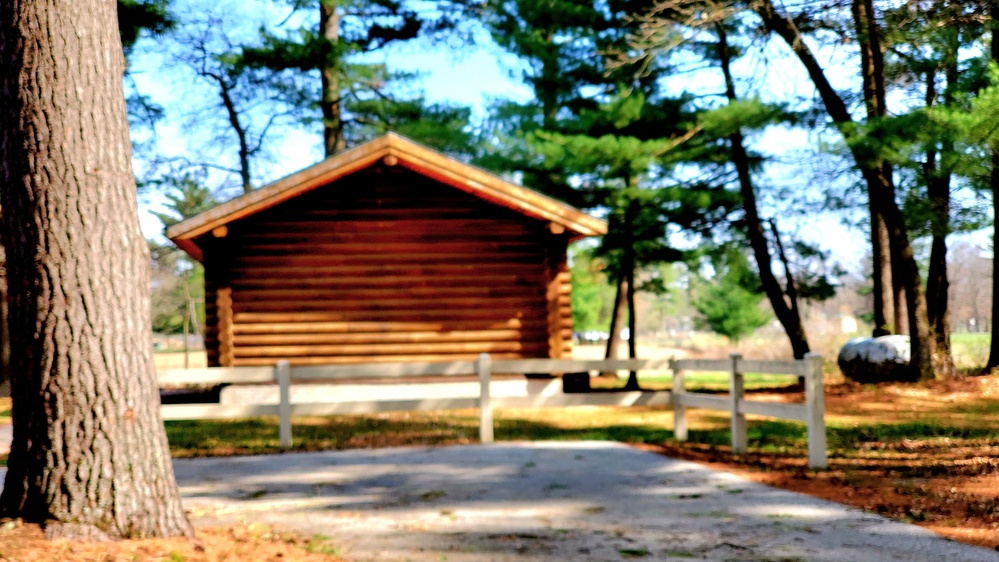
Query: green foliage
(439, 126)
(592, 294)
(297, 61)
(178, 282)
(138, 17)
(186, 198)
(730, 303)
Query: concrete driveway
(543, 501)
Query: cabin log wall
(385, 265)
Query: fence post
(484, 365)
(737, 392)
(679, 410)
(815, 406)
(282, 373)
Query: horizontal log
(491, 247)
(383, 296)
(334, 280)
(390, 337)
(268, 271)
(780, 410)
(282, 351)
(348, 232)
(445, 212)
(353, 359)
(264, 326)
(305, 258)
(422, 228)
(485, 317)
(478, 307)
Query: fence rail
(811, 412)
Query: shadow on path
(543, 501)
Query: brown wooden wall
(385, 265)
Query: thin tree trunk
(881, 273)
(89, 456)
(329, 28)
(938, 192)
(4, 332)
(629, 271)
(881, 189)
(617, 319)
(787, 313)
(239, 129)
(886, 285)
(899, 298)
(993, 361)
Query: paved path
(544, 501)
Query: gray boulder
(874, 360)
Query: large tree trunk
(886, 284)
(89, 456)
(880, 186)
(329, 28)
(787, 312)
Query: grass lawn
(700, 381)
(971, 351)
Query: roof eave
(409, 154)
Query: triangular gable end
(393, 149)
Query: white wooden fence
(538, 395)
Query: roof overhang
(393, 149)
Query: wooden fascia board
(191, 248)
(333, 168)
(487, 186)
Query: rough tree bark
(787, 312)
(89, 456)
(880, 186)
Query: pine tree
(318, 65)
(599, 133)
(730, 303)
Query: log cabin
(389, 251)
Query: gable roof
(395, 150)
